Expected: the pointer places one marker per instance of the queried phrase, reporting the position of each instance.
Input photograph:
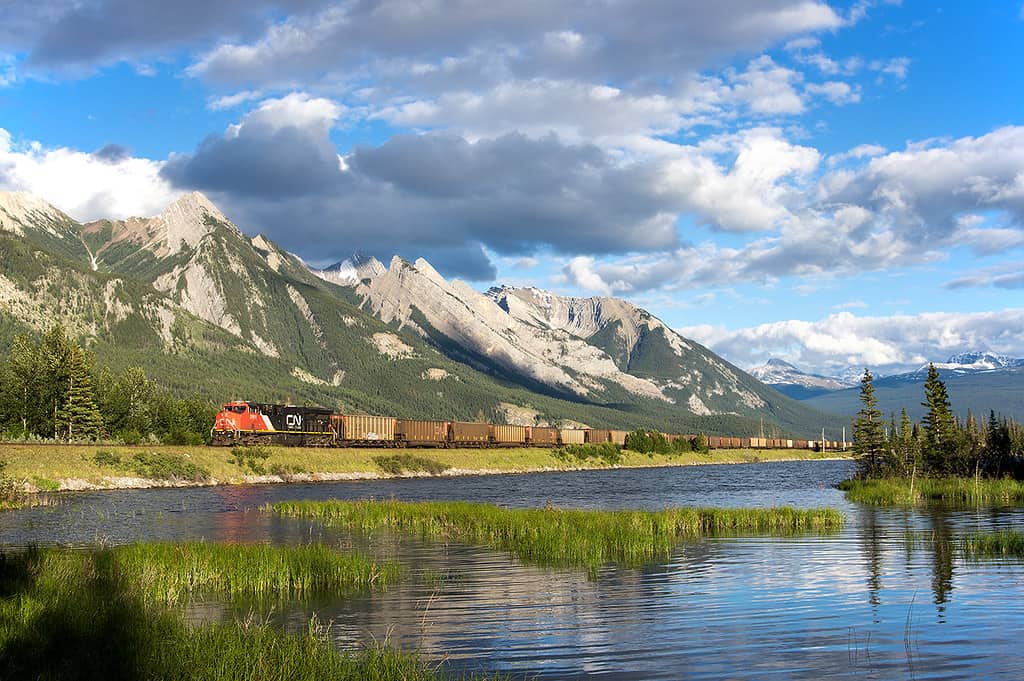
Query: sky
(837, 184)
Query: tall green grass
(75, 615)
(172, 572)
(953, 491)
(972, 546)
(561, 537)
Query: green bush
(605, 451)
(159, 466)
(12, 494)
(105, 457)
(251, 458)
(396, 464)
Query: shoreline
(72, 468)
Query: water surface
(860, 603)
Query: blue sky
(835, 183)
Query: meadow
(53, 467)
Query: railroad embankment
(50, 468)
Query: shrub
(396, 464)
(105, 457)
(605, 451)
(251, 458)
(157, 466)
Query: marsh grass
(951, 491)
(558, 537)
(74, 615)
(172, 572)
(971, 546)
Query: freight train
(251, 423)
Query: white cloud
(85, 186)
(836, 92)
(1004, 276)
(231, 101)
(767, 88)
(885, 344)
(8, 74)
(579, 272)
(896, 67)
(298, 110)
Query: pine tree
(909, 450)
(940, 432)
(868, 438)
(78, 418)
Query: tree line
(51, 389)
(941, 444)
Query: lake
(861, 603)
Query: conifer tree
(909, 450)
(78, 418)
(868, 438)
(940, 432)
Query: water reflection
(863, 603)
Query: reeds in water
(171, 572)
(561, 537)
(951, 490)
(76, 615)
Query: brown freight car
(503, 434)
(599, 436)
(572, 436)
(413, 433)
(540, 436)
(618, 437)
(369, 430)
(468, 434)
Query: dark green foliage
(868, 438)
(105, 457)
(940, 431)
(166, 466)
(12, 494)
(605, 451)
(251, 458)
(700, 444)
(78, 418)
(645, 442)
(397, 464)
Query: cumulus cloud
(109, 183)
(590, 42)
(884, 344)
(897, 209)
(76, 37)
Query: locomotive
(253, 423)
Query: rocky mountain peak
(188, 219)
(20, 209)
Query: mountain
(793, 382)
(598, 351)
(976, 381)
(205, 308)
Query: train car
(572, 436)
(467, 434)
(505, 435)
(540, 436)
(598, 436)
(360, 430)
(251, 423)
(618, 437)
(413, 433)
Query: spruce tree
(868, 438)
(940, 432)
(909, 451)
(78, 418)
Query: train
(253, 423)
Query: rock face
(791, 381)
(590, 348)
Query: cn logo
(293, 421)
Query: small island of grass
(557, 537)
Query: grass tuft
(953, 491)
(557, 537)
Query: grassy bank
(954, 491)
(48, 467)
(79, 615)
(561, 537)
